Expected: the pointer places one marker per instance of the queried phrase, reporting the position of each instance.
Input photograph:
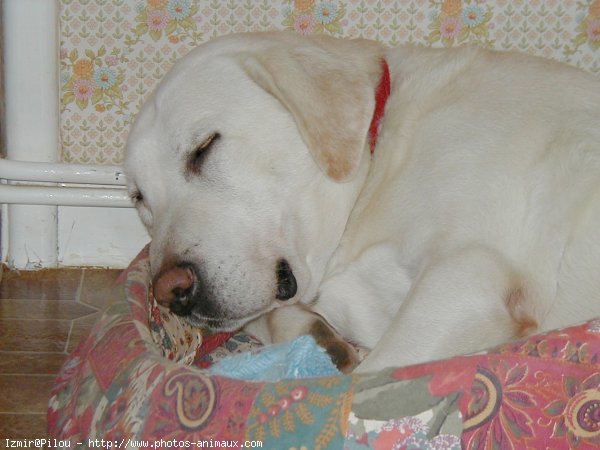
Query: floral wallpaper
(114, 52)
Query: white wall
(108, 237)
(30, 30)
(49, 236)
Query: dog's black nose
(286, 282)
(182, 305)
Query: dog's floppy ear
(328, 86)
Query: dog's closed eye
(136, 197)
(198, 156)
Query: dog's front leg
(289, 322)
(463, 302)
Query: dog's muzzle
(179, 288)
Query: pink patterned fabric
(543, 392)
(123, 382)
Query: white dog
(475, 220)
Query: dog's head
(244, 166)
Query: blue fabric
(300, 358)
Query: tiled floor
(43, 315)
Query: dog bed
(139, 380)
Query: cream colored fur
(476, 221)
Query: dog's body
(475, 221)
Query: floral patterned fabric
(123, 383)
(543, 392)
(114, 52)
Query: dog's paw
(343, 355)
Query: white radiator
(72, 184)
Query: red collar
(381, 95)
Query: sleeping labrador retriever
(418, 202)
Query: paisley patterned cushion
(129, 383)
